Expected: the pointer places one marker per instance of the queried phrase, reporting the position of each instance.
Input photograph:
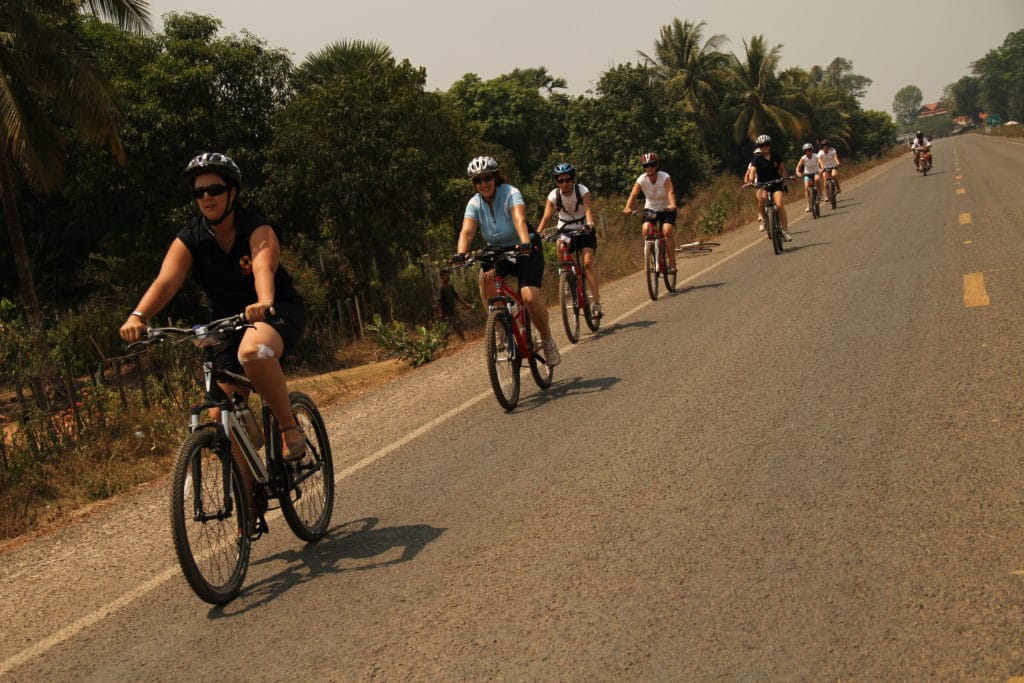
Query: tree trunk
(22, 264)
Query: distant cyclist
(764, 168)
(920, 144)
(572, 202)
(810, 170)
(659, 200)
(829, 162)
(498, 211)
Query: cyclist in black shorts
(659, 202)
(235, 258)
(569, 204)
(498, 211)
(764, 168)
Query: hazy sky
(578, 41)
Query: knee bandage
(257, 352)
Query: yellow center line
(961, 190)
(974, 290)
(968, 242)
(965, 219)
(959, 177)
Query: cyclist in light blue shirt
(498, 211)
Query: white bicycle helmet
(481, 165)
(808, 146)
(763, 140)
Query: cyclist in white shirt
(810, 169)
(920, 144)
(659, 203)
(829, 162)
(571, 201)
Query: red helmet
(649, 158)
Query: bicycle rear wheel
(210, 518)
(651, 266)
(309, 500)
(503, 360)
(541, 371)
(774, 231)
(570, 308)
(593, 322)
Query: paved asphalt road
(798, 467)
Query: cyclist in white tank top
(660, 197)
(810, 169)
(829, 163)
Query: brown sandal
(300, 452)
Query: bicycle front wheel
(570, 309)
(832, 193)
(774, 230)
(651, 266)
(503, 359)
(210, 518)
(812, 204)
(593, 322)
(308, 503)
(667, 275)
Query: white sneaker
(807, 210)
(551, 355)
(760, 224)
(785, 236)
(596, 310)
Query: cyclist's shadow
(565, 387)
(349, 547)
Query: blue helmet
(567, 169)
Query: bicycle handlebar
(766, 183)
(156, 335)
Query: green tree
(695, 68)
(1002, 77)
(907, 104)
(871, 133)
(512, 113)
(825, 108)
(762, 105)
(50, 84)
(609, 132)
(963, 97)
(363, 160)
(342, 58)
(185, 91)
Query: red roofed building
(933, 109)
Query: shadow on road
(570, 386)
(791, 248)
(619, 327)
(348, 547)
(710, 285)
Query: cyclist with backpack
(659, 202)
(572, 203)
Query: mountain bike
(656, 254)
(213, 518)
(771, 212)
(831, 188)
(508, 335)
(572, 284)
(814, 200)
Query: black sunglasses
(563, 181)
(481, 179)
(653, 163)
(212, 190)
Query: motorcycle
(924, 160)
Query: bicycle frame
(572, 260)
(505, 296)
(655, 239)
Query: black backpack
(579, 197)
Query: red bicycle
(572, 284)
(655, 254)
(509, 334)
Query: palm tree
(825, 107)
(762, 103)
(696, 69)
(45, 71)
(342, 58)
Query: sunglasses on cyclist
(481, 179)
(212, 190)
(563, 181)
(651, 165)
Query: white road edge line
(131, 596)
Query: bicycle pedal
(261, 529)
